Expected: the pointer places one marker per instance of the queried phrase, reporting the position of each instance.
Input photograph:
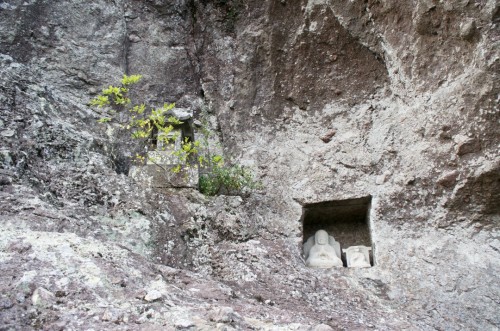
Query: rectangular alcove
(346, 220)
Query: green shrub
(227, 179)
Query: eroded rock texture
(325, 100)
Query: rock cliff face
(392, 102)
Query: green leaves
(157, 116)
(140, 134)
(112, 91)
(104, 119)
(227, 179)
(100, 101)
(218, 160)
(130, 80)
(174, 121)
(168, 106)
(116, 96)
(188, 150)
(139, 109)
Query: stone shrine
(358, 256)
(348, 219)
(157, 170)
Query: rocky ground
(324, 100)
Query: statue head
(321, 237)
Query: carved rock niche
(346, 220)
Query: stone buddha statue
(322, 251)
(358, 256)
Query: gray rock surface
(324, 100)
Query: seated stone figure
(322, 251)
(358, 256)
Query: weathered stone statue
(358, 256)
(322, 251)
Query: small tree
(143, 122)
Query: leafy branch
(217, 176)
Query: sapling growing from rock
(146, 123)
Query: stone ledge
(156, 176)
